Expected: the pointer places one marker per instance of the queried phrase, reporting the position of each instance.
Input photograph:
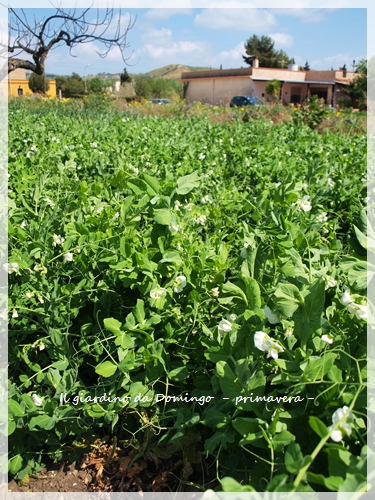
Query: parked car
(245, 100)
(160, 101)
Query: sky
(213, 37)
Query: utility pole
(282, 62)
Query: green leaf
(229, 383)
(318, 426)
(96, 411)
(246, 425)
(229, 484)
(15, 464)
(112, 325)
(235, 291)
(317, 367)
(15, 408)
(331, 483)
(153, 186)
(178, 374)
(42, 421)
(282, 439)
(11, 427)
(187, 183)
(163, 216)
(293, 458)
(106, 369)
(139, 311)
(287, 299)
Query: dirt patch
(109, 470)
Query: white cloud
(336, 61)
(165, 14)
(235, 19)
(282, 39)
(231, 58)
(307, 15)
(157, 36)
(174, 49)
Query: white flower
(232, 317)
(11, 267)
(117, 215)
(37, 400)
(243, 252)
(29, 294)
(180, 283)
(288, 332)
(23, 224)
(40, 299)
(177, 205)
(224, 326)
(322, 217)
(346, 298)
(15, 314)
(264, 343)
(68, 257)
(94, 144)
(327, 338)
(330, 282)
(359, 310)
(201, 219)
(304, 204)
(330, 183)
(215, 292)
(174, 228)
(272, 317)
(41, 346)
(49, 202)
(158, 292)
(201, 156)
(277, 184)
(57, 240)
(341, 415)
(178, 246)
(207, 199)
(189, 207)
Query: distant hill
(172, 71)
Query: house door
(20, 91)
(295, 94)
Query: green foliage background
(142, 200)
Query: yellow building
(18, 84)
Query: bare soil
(119, 470)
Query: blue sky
(212, 37)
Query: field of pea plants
(187, 294)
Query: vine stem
(320, 445)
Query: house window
(20, 91)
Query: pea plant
(185, 287)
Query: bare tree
(36, 38)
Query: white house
(219, 86)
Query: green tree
(36, 83)
(74, 85)
(263, 49)
(306, 66)
(142, 87)
(273, 89)
(95, 85)
(357, 88)
(125, 77)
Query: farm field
(188, 292)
